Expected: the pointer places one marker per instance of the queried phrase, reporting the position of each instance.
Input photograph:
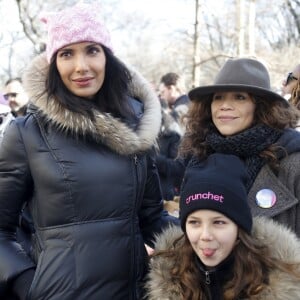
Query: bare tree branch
(294, 14)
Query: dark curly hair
(275, 114)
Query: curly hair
(274, 114)
(252, 262)
(184, 271)
(295, 97)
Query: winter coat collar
(216, 277)
(282, 242)
(105, 129)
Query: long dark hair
(112, 96)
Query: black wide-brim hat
(241, 74)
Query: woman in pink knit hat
(82, 160)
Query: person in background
(16, 96)
(221, 252)
(291, 89)
(240, 115)
(168, 141)
(82, 158)
(5, 116)
(25, 227)
(291, 82)
(172, 90)
(175, 103)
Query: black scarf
(247, 145)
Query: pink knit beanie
(79, 23)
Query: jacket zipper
(136, 169)
(207, 278)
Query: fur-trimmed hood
(106, 129)
(283, 245)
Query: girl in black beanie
(219, 255)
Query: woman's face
(82, 68)
(212, 236)
(232, 112)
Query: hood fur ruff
(105, 129)
(283, 244)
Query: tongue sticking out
(208, 252)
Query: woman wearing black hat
(220, 255)
(240, 115)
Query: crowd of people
(91, 154)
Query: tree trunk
(241, 27)
(251, 28)
(196, 46)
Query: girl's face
(212, 236)
(232, 112)
(82, 68)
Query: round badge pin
(265, 198)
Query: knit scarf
(247, 145)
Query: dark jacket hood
(105, 129)
(290, 140)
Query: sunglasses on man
(10, 95)
(290, 77)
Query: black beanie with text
(217, 183)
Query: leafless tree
(196, 45)
(196, 51)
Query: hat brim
(200, 93)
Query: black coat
(93, 195)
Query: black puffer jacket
(94, 200)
